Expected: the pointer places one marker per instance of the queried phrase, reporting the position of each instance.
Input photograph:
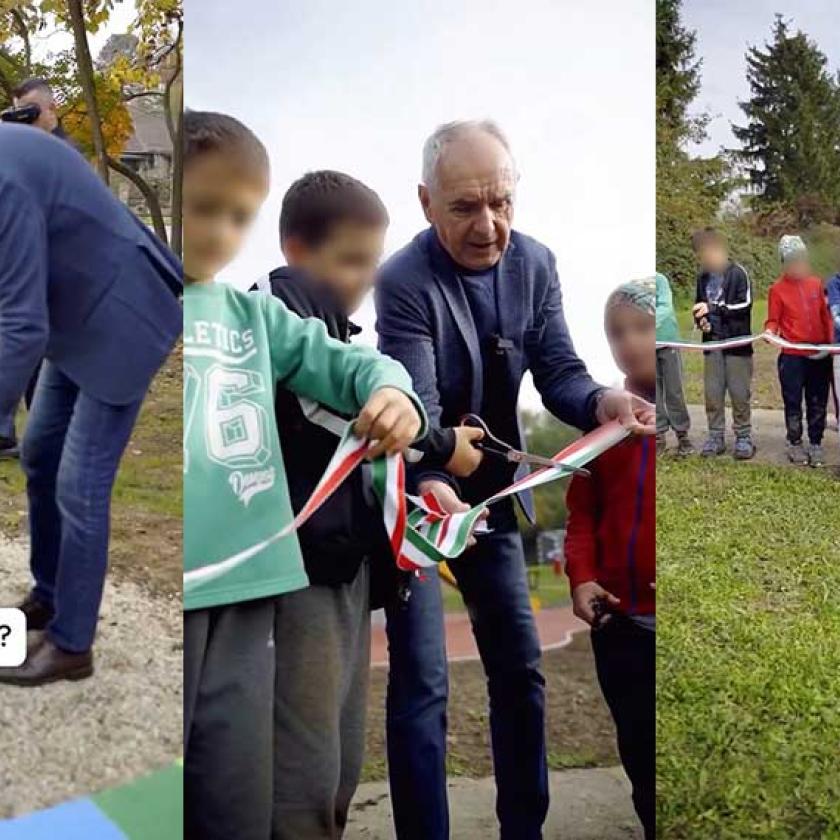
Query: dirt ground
(579, 728)
(768, 435)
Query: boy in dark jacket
(332, 230)
(611, 553)
(723, 309)
(797, 311)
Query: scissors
(490, 443)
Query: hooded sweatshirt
(797, 311)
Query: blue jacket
(82, 280)
(424, 321)
(833, 291)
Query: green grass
(550, 589)
(766, 392)
(748, 678)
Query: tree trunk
(86, 80)
(149, 195)
(174, 111)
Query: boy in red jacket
(611, 553)
(797, 311)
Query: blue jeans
(493, 582)
(71, 451)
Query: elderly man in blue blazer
(468, 306)
(87, 287)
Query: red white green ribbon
(744, 340)
(425, 535)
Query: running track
(555, 627)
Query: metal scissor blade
(538, 461)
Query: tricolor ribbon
(426, 535)
(744, 340)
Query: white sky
(54, 41)
(357, 87)
(725, 30)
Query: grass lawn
(547, 590)
(766, 392)
(748, 679)
(146, 527)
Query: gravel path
(70, 739)
(768, 434)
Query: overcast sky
(357, 87)
(55, 40)
(725, 30)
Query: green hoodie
(667, 328)
(237, 347)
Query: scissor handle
(489, 442)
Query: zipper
(637, 519)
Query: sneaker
(797, 454)
(713, 446)
(8, 448)
(684, 446)
(661, 444)
(816, 456)
(744, 448)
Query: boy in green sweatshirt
(237, 347)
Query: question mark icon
(5, 632)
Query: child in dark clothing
(797, 311)
(611, 554)
(332, 230)
(722, 309)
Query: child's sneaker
(713, 446)
(816, 456)
(744, 448)
(661, 444)
(797, 454)
(684, 446)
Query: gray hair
(445, 134)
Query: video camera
(23, 115)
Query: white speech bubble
(12, 637)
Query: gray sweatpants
(728, 374)
(228, 686)
(320, 702)
(671, 411)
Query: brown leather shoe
(46, 663)
(38, 615)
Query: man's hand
(447, 498)
(466, 458)
(389, 418)
(585, 600)
(634, 413)
(700, 310)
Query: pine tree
(791, 142)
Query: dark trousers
(625, 659)
(320, 702)
(228, 702)
(492, 579)
(71, 452)
(809, 378)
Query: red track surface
(555, 627)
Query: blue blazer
(82, 280)
(425, 322)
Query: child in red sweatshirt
(611, 553)
(797, 311)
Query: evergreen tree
(689, 190)
(791, 142)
